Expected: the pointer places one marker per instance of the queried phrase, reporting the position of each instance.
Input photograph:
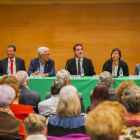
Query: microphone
(69, 63)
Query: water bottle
(38, 69)
(82, 72)
(139, 72)
(121, 72)
(9, 71)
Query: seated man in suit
(31, 97)
(65, 76)
(11, 64)
(106, 78)
(74, 65)
(42, 65)
(113, 64)
(137, 70)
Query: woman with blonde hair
(68, 119)
(35, 126)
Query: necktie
(79, 68)
(11, 67)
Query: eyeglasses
(102, 83)
(47, 54)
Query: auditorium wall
(98, 27)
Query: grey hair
(68, 88)
(105, 78)
(131, 99)
(41, 50)
(34, 123)
(63, 75)
(7, 95)
(22, 77)
(56, 86)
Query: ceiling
(66, 1)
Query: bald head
(22, 77)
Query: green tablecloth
(83, 85)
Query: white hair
(105, 78)
(63, 75)
(22, 77)
(41, 50)
(68, 88)
(7, 95)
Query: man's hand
(36, 73)
(43, 75)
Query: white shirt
(115, 70)
(14, 66)
(49, 105)
(36, 137)
(81, 63)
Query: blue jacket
(49, 67)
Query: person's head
(106, 78)
(12, 82)
(124, 85)
(22, 77)
(11, 51)
(131, 99)
(44, 54)
(63, 75)
(69, 103)
(104, 123)
(7, 95)
(116, 54)
(56, 87)
(35, 124)
(78, 51)
(117, 107)
(100, 94)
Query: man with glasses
(42, 65)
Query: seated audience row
(18, 106)
(50, 105)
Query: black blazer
(87, 64)
(108, 67)
(20, 65)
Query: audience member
(100, 94)
(131, 101)
(19, 110)
(113, 64)
(68, 119)
(75, 64)
(43, 63)
(137, 70)
(9, 124)
(65, 76)
(48, 106)
(106, 78)
(32, 97)
(15, 63)
(105, 122)
(35, 126)
(124, 85)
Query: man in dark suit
(31, 97)
(11, 64)
(74, 65)
(43, 65)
